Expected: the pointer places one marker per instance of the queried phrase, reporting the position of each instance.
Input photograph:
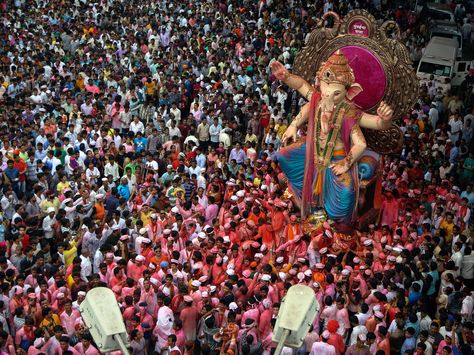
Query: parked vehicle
(447, 31)
(439, 64)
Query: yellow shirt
(448, 227)
(106, 74)
(145, 217)
(150, 88)
(50, 324)
(80, 84)
(70, 254)
(62, 186)
(280, 129)
(48, 203)
(421, 125)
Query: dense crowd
(138, 152)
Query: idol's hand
(279, 70)
(385, 112)
(340, 167)
(290, 134)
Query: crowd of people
(138, 151)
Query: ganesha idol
(322, 168)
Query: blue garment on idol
(338, 195)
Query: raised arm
(382, 120)
(293, 81)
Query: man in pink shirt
(342, 317)
(84, 347)
(135, 269)
(189, 316)
(68, 318)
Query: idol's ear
(354, 90)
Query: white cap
(266, 277)
(233, 306)
(175, 209)
(378, 314)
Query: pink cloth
(389, 212)
(189, 317)
(89, 351)
(69, 321)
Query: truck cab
(439, 61)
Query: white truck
(439, 61)
(440, 29)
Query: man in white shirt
(456, 128)
(280, 96)
(357, 329)
(467, 305)
(86, 264)
(194, 169)
(433, 115)
(176, 112)
(214, 132)
(48, 223)
(137, 126)
(86, 107)
(457, 257)
(322, 347)
(51, 161)
(174, 130)
(467, 266)
(111, 168)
